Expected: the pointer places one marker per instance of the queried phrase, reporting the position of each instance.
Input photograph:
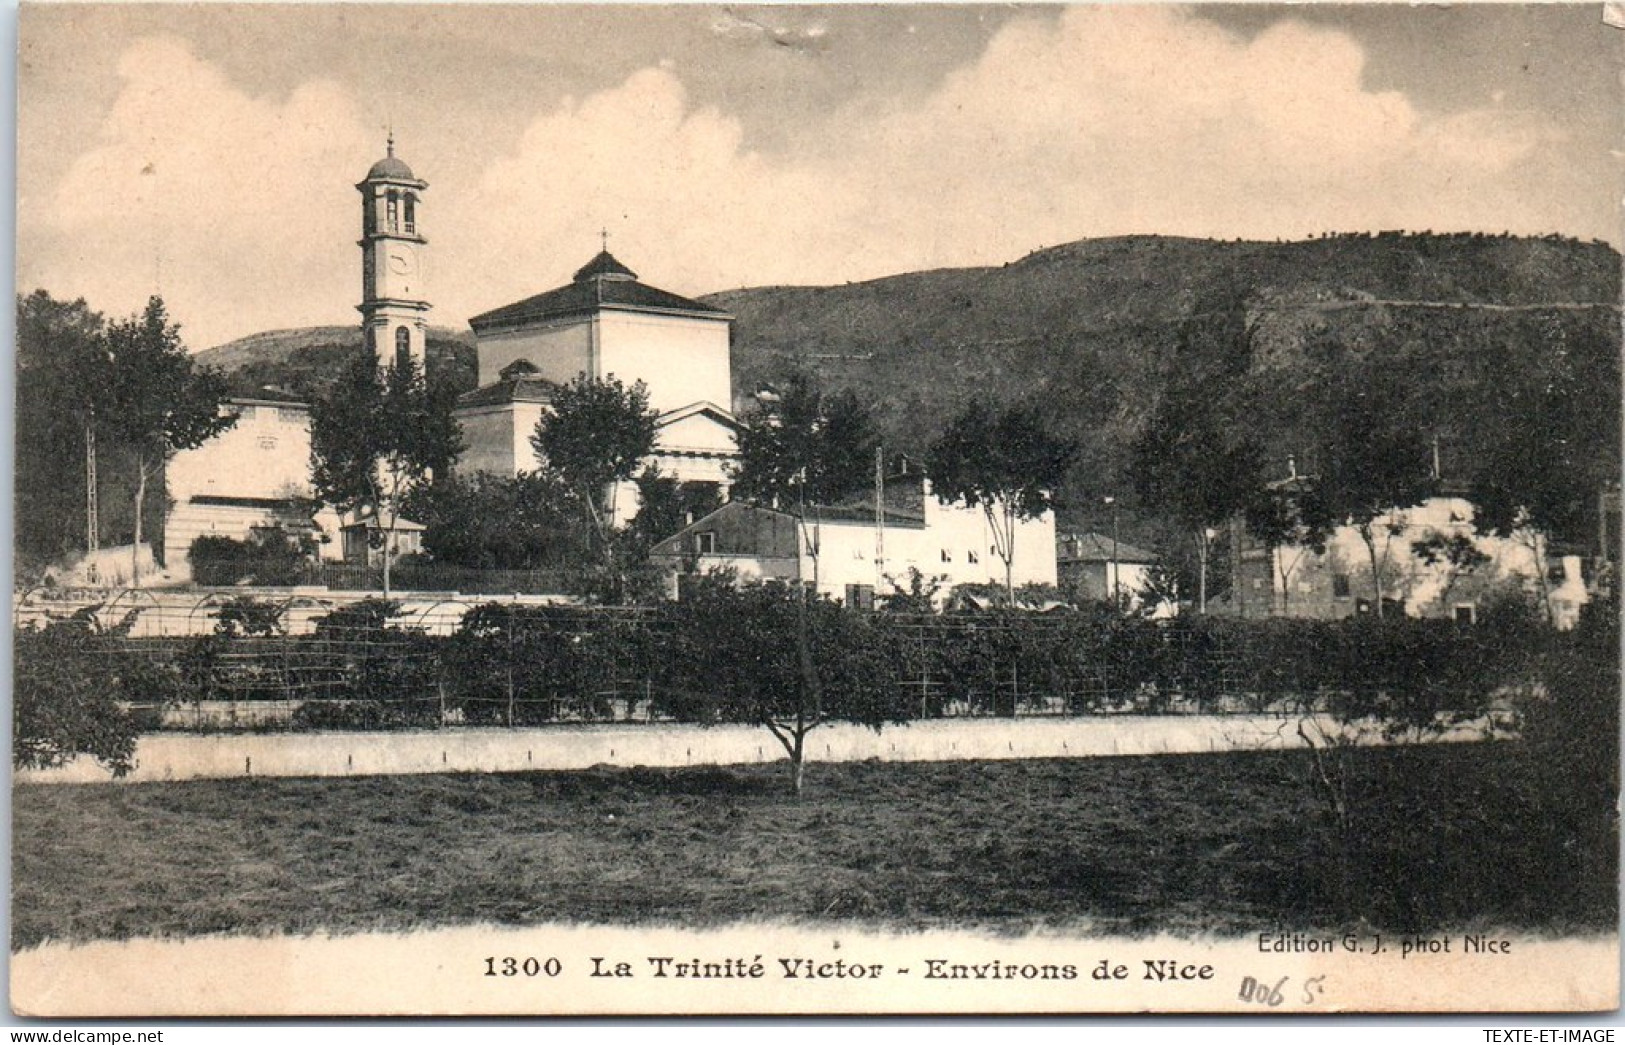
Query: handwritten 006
(1274, 995)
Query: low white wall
(487, 750)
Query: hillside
(1088, 332)
(299, 362)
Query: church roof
(516, 387)
(601, 283)
(604, 266)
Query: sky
(210, 152)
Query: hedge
(511, 664)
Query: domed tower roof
(391, 166)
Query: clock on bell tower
(394, 306)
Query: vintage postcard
(862, 509)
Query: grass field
(1437, 837)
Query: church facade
(605, 324)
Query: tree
(666, 505)
(59, 360)
(740, 655)
(592, 439)
(376, 434)
(1290, 518)
(804, 447)
(1373, 462)
(155, 400)
(493, 522)
(1196, 462)
(70, 677)
(1005, 461)
(1551, 445)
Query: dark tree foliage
(803, 446)
(666, 505)
(1373, 459)
(491, 522)
(592, 439)
(155, 400)
(58, 376)
(270, 557)
(69, 678)
(1290, 518)
(770, 656)
(1556, 441)
(246, 616)
(1005, 461)
(1198, 463)
(375, 435)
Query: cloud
(1101, 121)
(213, 196)
(684, 201)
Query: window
(403, 348)
(860, 596)
(971, 558)
(947, 556)
(1556, 573)
(1340, 585)
(411, 213)
(1464, 613)
(705, 543)
(392, 205)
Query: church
(603, 323)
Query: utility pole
(92, 522)
(880, 517)
(1117, 592)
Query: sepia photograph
(872, 509)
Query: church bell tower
(394, 309)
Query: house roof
(1094, 547)
(820, 514)
(602, 283)
(366, 519)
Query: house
(1430, 561)
(364, 538)
(1099, 567)
(253, 476)
(856, 553)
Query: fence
(306, 662)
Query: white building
(604, 324)
(254, 475)
(854, 554)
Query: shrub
(67, 683)
(245, 615)
(270, 557)
(526, 664)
